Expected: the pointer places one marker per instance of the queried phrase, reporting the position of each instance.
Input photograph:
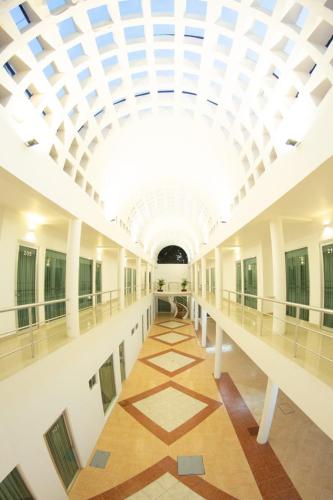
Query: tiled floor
(159, 418)
(172, 338)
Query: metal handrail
(297, 323)
(31, 326)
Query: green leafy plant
(184, 284)
(160, 283)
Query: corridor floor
(171, 406)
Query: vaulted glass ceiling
(239, 81)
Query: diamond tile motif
(172, 338)
(161, 481)
(172, 324)
(170, 410)
(164, 488)
(171, 362)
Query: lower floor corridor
(171, 406)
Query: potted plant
(160, 284)
(184, 284)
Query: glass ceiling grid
(245, 69)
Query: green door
(250, 281)
(239, 281)
(328, 283)
(297, 281)
(98, 281)
(85, 282)
(122, 361)
(54, 283)
(107, 383)
(26, 284)
(62, 451)
(13, 487)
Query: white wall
(172, 272)
(36, 396)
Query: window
(107, 383)
(172, 254)
(85, 282)
(20, 17)
(13, 487)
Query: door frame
(22, 243)
(323, 243)
(71, 440)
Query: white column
(218, 351)
(196, 287)
(203, 278)
(203, 328)
(121, 277)
(218, 278)
(278, 275)
(72, 277)
(196, 316)
(138, 278)
(272, 390)
(192, 278)
(147, 279)
(192, 308)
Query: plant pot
(184, 290)
(159, 290)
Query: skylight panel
(67, 28)
(301, 18)
(252, 55)
(35, 46)
(192, 57)
(134, 33)
(20, 17)
(10, 68)
(114, 84)
(91, 96)
(56, 5)
(266, 5)
(61, 93)
(84, 75)
(288, 47)
(259, 29)
(220, 66)
(160, 7)
(136, 57)
(49, 70)
(165, 73)
(191, 31)
(196, 9)
(139, 75)
(164, 29)
(130, 8)
(75, 52)
(98, 16)
(228, 17)
(110, 62)
(224, 43)
(105, 42)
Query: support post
(218, 278)
(203, 328)
(121, 277)
(279, 275)
(218, 351)
(72, 277)
(196, 316)
(203, 278)
(272, 390)
(138, 278)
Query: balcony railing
(308, 342)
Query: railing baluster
(296, 329)
(31, 332)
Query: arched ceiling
(166, 112)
